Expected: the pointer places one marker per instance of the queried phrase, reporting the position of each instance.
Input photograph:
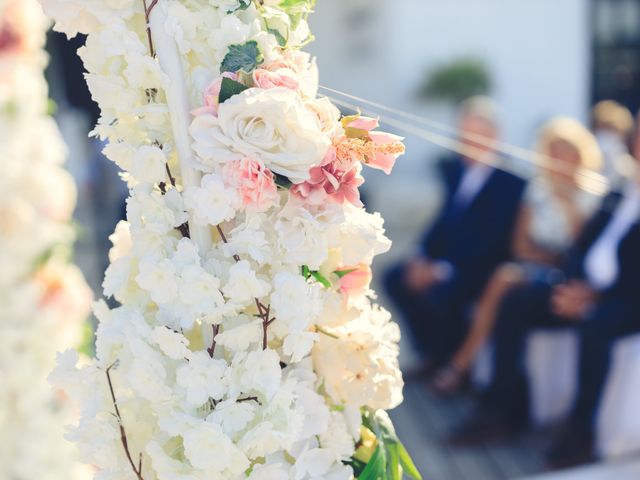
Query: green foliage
(282, 181)
(317, 276)
(229, 88)
(87, 345)
(297, 10)
(245, 57)
(244, 4)
(458, 80)
(390, 459)
(279, 37)
(321, 279)
(344, 273)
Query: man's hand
(421, 274)
(572, 300)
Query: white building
(539, 54)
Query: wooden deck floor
(424, 422)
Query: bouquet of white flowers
(43, 299)
(245, 343)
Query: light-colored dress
(550, 227)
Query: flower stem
(123, 434)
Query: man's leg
(597, 337)
(598, 334)
(522, 309)
(505, 405)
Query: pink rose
(355, 280)
(336, 180)
(212, 95)
(282, 77)
(253, 181)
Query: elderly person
(599, 298)
(471, 236)
(613, 128)
(551, 217)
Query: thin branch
(147, 14)
(212, 349)
(123, 434)
(249, 399)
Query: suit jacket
(475, 238)
(627, 285)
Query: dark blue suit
(616, 314)
(474, 239)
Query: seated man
(600, 298)
(469, 239)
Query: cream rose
(273, 126)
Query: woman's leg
(504, 279)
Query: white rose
(327, 114)
(273, 126)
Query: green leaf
(52, 107)
(305, 272)
(297, 10)
(282, 181)
(279, 37)
(88, 338)
(229, 88)
(407, 463)
(377, 466)
(394, 470)
(321, 279)
(244, 4)
(244, 57)
(344, 273)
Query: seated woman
(553, 213)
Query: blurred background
(537, 59)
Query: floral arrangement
(245, 343)
(43, 299)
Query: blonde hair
(610, 115)
(572, 132)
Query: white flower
(233, 416)
(294, 303)
(327, 115)
(259, 371)
(271, 125)
(203, 378)
(159, 279)
(299, 345)
(148, 165)
(121, 240)
(173, 344)
(244, 286)
(200, 290)
(241, 336)
(208, 448)
(213, 202)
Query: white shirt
(601, 263)
(473, 181)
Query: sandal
(449, 380)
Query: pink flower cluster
(253, 182)
(212, 95)
(338, 177)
